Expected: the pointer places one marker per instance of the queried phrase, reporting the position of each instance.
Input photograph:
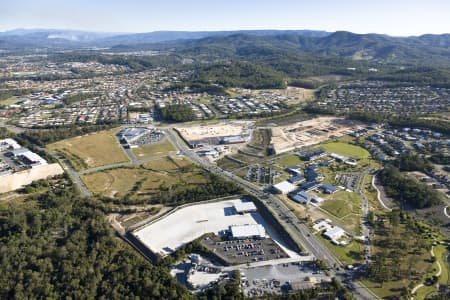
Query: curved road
(438, 273)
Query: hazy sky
(394, 17)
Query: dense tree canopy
(408, 190)
(60, 246)
(177, 113)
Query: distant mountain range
(52, 37)
(426, 48)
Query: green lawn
(441, 252)
(10, 101)
(346, 149)
(350, 254)
(342, 203)
(290, 160)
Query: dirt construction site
(206, 132)
(310, 132)
(17, 180)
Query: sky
(393, 17)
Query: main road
(283, 214)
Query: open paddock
(91, 150)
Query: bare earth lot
(17, 180)
(310, 132)
(225, 128)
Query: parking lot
(349, 180)
(243, 251)
(276, 278)
(260, 174)
(151, 137)
(8, 163)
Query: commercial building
(328, 188)
(28, 157)
(248, 231)
(236, 139)
(9, 144)
(284, 187)
(129, 135)
(245, 207)
(301, 197)
(322, 225)
(334, 233)
(296, 179)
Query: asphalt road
(285, 216)
(365, 211)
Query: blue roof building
(328, 188)
(296, 179)
(308, 186)
(301, 197)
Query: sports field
(92, 150)
(345, 149)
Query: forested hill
(426, 49)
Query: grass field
(164, 147)
(10, 101)
(144, 181)
(228, 164)
(346, 150)
(93, 150)
(350, 254)
(290, 160)
(441, 253)
(342, 203)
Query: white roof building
(7, 144)
(285, 187)
(248, 231)
(33, 159)
(245, 207)
(334, 233)
(322, 225)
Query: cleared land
(164, 147)
(146, 181)
(92, 150)
(220, 129)
(347, 150)
(310, 132)
(17, 180)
